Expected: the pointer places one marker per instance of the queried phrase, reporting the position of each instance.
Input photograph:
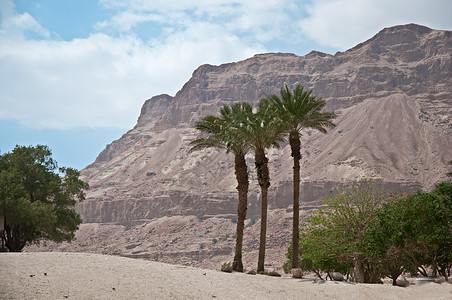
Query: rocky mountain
(150, 198)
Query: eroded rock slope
(393, 94)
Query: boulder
(337, 276)
(296, 273)
(250, 271)
(226, 267)
(402, 281)
(272, 272)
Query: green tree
(264, 130)
(333, 237)
(441, 242)
(315, 259)
(416, 231)
(37, 202)
(299, 111)
(385, 242)
(222, 133)
(377, 234)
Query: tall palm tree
(298, 111)
(221, 133)
(263, 129)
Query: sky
(75, 73)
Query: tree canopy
(332, 237)
(37, 198)
(415, 232)
(370, 234)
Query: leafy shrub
(370, 234)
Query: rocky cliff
(393, 94)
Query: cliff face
(410, 59)
(393, 94)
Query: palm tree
(298, 111)
(263, 129)
(221, 134)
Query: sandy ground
(56, 275)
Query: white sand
(94, 276)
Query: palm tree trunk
(263, 235)
(263, 177)
(295, 146)
(241, 174)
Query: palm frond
(223, 132)
(301, 110)
(206, 142)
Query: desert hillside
(150, 198)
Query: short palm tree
(263, 130)
(221, 133)
(298, 111)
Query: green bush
(370, 234)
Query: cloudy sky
(74, 73)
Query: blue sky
(74, 74)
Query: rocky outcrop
(411, 59)
(151, 111)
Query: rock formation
(393, 94)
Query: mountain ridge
(393, 94)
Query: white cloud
(18, 24)
(263, 20)
(345, 23)
(125, 21)
(102, 80)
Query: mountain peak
(399, 34)
(420, 29)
